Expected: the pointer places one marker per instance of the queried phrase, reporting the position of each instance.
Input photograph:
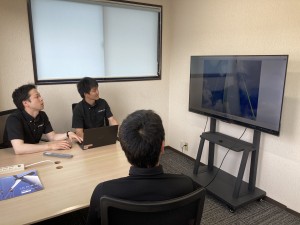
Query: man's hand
(59, 145)
(73, 136)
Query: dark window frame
(100, 79)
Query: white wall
(229, 27)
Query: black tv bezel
(236, 121)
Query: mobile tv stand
(232, 190)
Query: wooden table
(68, 185)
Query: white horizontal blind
(130, 42)
(74, 39)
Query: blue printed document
(20, 184)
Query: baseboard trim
(282, 206)
(268, 199)
(179, 152)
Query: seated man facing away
(25, 127)
(142, 139)
(92, 111)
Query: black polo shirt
(142, 184)
(86, 116)
(20, 125)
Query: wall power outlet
(184, 146)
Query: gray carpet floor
(216, 212)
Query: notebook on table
(99, 136)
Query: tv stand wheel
(232, 210)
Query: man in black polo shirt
(92, 111)
(25, 127)
(141, 136)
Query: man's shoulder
(115, 181)
(14, 119)
(181, 179)
(101, 104)
(78, 107)
(180, 176)
(43, 113)
(104, 188)
(107, 185)
(79, 103)
(177, 176)
(17, 114)
(101, 101)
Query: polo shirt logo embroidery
(40, 125)
(101, 110)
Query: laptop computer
(99, 136)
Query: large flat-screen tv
(245, 90)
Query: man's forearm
(23, 148)
(59, 137)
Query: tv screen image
(246, 90)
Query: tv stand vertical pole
(254, 160)
(239, 178)
(211, 153)
(210, 164)
(199, 154)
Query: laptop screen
(100, 136)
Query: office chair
(106, 122)
(3, 117)
(73, 106)
(183, 210)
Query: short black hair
(85, 85)
(141, 135)
(21, 94)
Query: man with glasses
(25, 127)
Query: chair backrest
(183, 210)
(3, 118)
(73, 106)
